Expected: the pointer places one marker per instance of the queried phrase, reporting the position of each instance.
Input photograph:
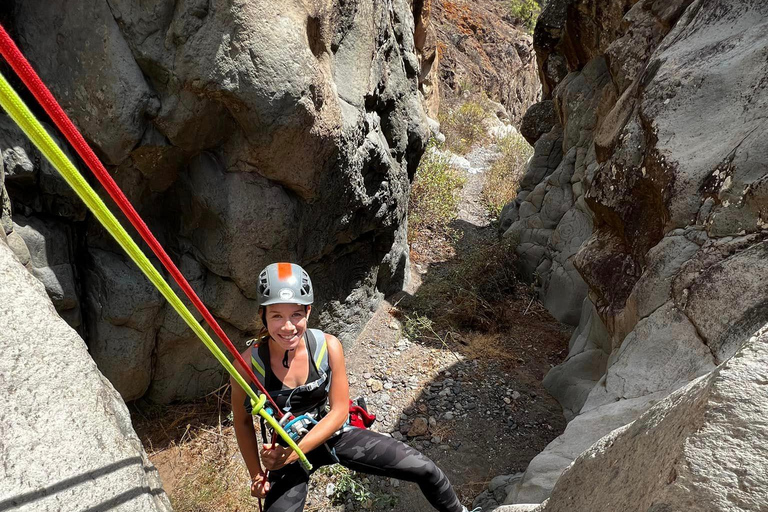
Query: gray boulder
(700, 449)
(67, 439)
(123, 316)
(101, 86)
(47, 247)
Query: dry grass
(502, 180)
(435, 195)
(194, 448)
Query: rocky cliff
(244, 133)
(481, 47)
(643, 219)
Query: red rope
(33, 82)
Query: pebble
(397, 435)
(432, 422)
(507, 400)
(448, 415)
(516, 395)
(388, 385)
(385, 398)
(376, 385)
(367, 375)
(419, 427)
(436, 440)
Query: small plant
(350, 486)
(503, 178)
(463, 127)
(526, 12)
(434, 200)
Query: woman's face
(287, 323)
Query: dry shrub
(435, 194)
(473, 295)
(463, 126)
(503, 178)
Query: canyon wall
(643, 219)
(244, 133)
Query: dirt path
(476, 407)
(484, 407)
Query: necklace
(285, 357)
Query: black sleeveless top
(312, 396)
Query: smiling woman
(295, 364)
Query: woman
(296, 365)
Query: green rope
(34, 130)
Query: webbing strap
(24, 69)
(22, 116)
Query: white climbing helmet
(285, 283)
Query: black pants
(367, 452)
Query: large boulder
(701, 449)
(66, 434)
(244, 133)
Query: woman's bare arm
(244, 429)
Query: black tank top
(311, 396)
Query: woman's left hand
(274, 456)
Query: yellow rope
(34, 130)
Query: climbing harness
(24, 118)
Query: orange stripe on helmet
(284, 271)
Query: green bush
(463, 127)
(526, 11)
(503, 178)
(435, 194)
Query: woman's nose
(288, 325)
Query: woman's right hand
(260, 486)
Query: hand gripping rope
(21, 115)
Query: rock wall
(244, 133)
(66, 435)
(643, 224)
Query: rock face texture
(244, 133)
(703, 448)
(66, 435)
(645, 227)
(481, 48)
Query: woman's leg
(288, 491)
(289, 484)
(369, 452)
